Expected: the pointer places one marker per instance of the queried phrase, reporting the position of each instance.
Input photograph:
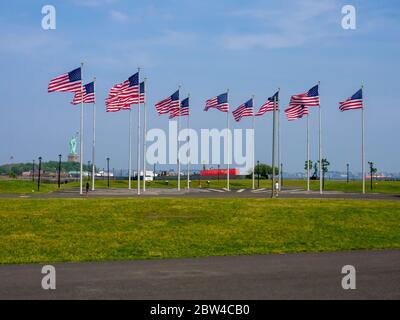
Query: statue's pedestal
(73, 158)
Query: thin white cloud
(27, 42)
(119, 16)
(173, 38)
(294, 24)
(94, 3)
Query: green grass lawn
(27, 187)
(15, 186)
(57, 230)
(352, 186)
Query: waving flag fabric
(130, 91)
(112, 102)
(220, 102)
(269, 105)
(244, 110)
(67, 82)
(142, 93)
(308, 99)
(122, 95)
(168, 105)
(352, 103)
(182, 111)
(88, 94)
(296, 112)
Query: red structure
(220, 172)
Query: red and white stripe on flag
(121, 96)
(352, 103)
(87, 98)
(67, 82)
(167, 105)
(296, 112)
(267, 107)
(242, 111)
(182, 112)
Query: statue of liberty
(73, 143)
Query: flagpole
(177, 144)
(279, 141)
(273, 148)
(320, 143)
(308, 152)
(130, 149)
(228, 149)
(254, 134)
(363, 141)
(188, 154)
(145, 134)
(94, 134)
(81, 137)
(138, 137)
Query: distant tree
(325, 166)
(372, 170)
(310, 164)
(264, 170)
(315, 173)
(51, 166)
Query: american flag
(182, 111)
(87, 93)
(112, 101)
(244, 110)
(168, 105)
(308, 99)
(269, 105)
(296, 112)
(142, 94)
(352, 103)
(67, 82)
(130, 91)
(122, 95)
(220, 102)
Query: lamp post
(348, 176)
(108, 172)
(258, 174)
(59, 170)
(40, 168)
(33, 170)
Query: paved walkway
(289, 276)
(208, 193)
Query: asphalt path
(290, 193)
(288, 276)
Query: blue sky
(251, 47)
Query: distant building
(102, 173)
(149, 175)
(219, 172)
(76, 174)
